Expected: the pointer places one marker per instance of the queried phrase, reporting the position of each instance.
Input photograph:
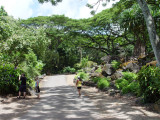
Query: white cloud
(69, 8)
(84, 11)
(18, 8)
(31, 8)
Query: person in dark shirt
(22, 88)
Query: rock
(111, 93)
(107, 70)
(105, 89)
(131, 66)
(117, 91)
(89, 83)
(42, 76)
(152, 63)
(106, 59)
(93, 69)
(10, 95)
(143, 60)
(117, 75)
(87, 69)
(156, 107)
(139, 101)
(94, 74)
(112, 84)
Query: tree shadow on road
(118, 108)
(63, 103)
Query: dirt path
(59, 101)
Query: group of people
(22, 88)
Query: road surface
(59, 101)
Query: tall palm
(132, 21)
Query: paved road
(60, 101)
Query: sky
(25, 9)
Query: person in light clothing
(79, 85)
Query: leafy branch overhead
(53, 2)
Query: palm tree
(132, 21)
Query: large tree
(154, 38)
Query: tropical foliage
(149, 81)
(128, 83)
(58, 44)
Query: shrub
(31, 66)
(129, 76)
(91, 64)
(84, 76)
(103, 83)
(69, 70)
(128, 83)
(115, 64)
(9, 79)
(149, 81)
(121, 83)
(96, 79)
(131, 88)
(77, 66)
(84, 63)
(99, 70)
(81, 70)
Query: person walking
(22, 88)
(37, 87)
(79, 85)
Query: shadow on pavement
(63, 103)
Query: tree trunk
(154, 38)
(139, 48)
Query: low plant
(9, 82)
(149, 81)
(103, 83)
(121, 83)
(129, 76)
(128, 83)
(96, 79)
(133, 87)
(69, 70)
(115, 64)
(99, 70)
(84, 76)
(84, 63)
